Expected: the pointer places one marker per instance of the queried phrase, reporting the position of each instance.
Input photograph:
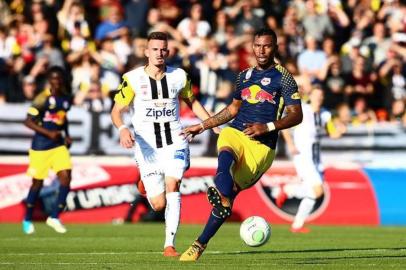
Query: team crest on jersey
(65, 105)
(265, 81)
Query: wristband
(271, 126)
(201, 125)
(120, 128)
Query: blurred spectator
(394, 14)
(220, 27)
(247, 20)
(351, 50)
(334, 82)
(54, 55)
(283, 55)
(29, 88)
(72, 20)
(227, 79)
(398, 112)
(342, 115)
(5, 14)
(359, 81)
(315, 24)
(136, 14)
(110, 64)
(76, 42)
(6, 48)
(84, 68)
(91, 97)
(362, 114)
(293, 30)
(378, 44)
(312, 59)
(169, 10)
(122, 46)
(177, 54)
(42, 15)
(210, 65)
(194, 23)
(137, 57)
(328, 46)
(154, 17)
(363, 18)
(113, 26)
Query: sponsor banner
(107, 193)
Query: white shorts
(307, 170)
(156, 164)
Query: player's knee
(172, 186)
(158, 205)
(318, 191)
(65, 177)
(37, 184)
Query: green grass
(139, 246)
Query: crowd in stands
(355, 50)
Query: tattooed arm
(220, 118)
(223, 116)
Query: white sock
(172, 217)
(305, 207)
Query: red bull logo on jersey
(57, 117)
(255, 94)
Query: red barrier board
(103, 193)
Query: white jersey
(306, 136)
(155, 105)
(160, 150)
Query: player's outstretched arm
(216, 120)
(199, 110)
(126, 137)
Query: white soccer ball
(255, 231)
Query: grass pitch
(139, 246)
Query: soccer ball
(255, 231)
